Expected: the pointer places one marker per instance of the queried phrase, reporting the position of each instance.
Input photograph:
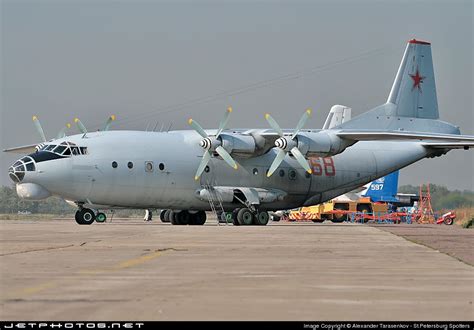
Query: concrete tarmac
(131, 270)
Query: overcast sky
(151, 61)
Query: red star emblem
(417, 79)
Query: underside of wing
(22, 150)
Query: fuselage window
(161, 166)
(282, 173)
(149, 166)
(130, 165)
(255, 171)
(207, 169)
(114, 164)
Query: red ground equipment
(447, 218)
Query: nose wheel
(85, 216)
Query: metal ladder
(214, 198)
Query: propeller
(108, 123)
(62, 132)
(39, 128)
(212, 143)
(288, 144)
(80, 125)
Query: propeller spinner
(212, 143)
(288, 144)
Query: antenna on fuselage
(154, 128)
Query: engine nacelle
(321, 144)
(243, 146)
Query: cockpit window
(64, 149)
(59, 149)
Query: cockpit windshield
(64, 149)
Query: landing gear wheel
(100, 217)
(85, 216)
(262, 218)
(199, 218)
(245, 217)
(234, 217)
(180, 217)
(167, 216)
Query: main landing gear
(85, 216)
(245, 217)
(182, 218)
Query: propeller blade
(301, 123)
(205, 159)
(81, 126)
(225, 155)
(109, 122)
(194, 124)
(39, 128)
(273, 124)
(224, 122)
(276, 162)
(300, 158)
(62, 132)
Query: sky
(154, 63)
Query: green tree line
(442, 197)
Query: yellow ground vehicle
(338, 210)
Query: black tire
(100, 217)
(173, 216)
(184, 218)
(262, 218)
(162, 215)
(342, 217)
(245, 217)
(199, 218)
(317, 220)
(234, 217)
(167, 216)
(85, 216)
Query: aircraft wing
(23, 149)
(442, 141)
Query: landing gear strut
(85, 216)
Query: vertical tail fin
(383, 189)
(414, 89)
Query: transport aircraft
(249, 172)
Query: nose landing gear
(85, 216)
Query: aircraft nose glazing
(17, 171)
